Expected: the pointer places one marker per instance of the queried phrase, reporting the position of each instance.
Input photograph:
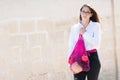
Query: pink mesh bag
(78, 59)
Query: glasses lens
(85, 12)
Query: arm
(95, 39)
(72, 41)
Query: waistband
(91, 51)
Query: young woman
(89, 27)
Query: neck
(85, 23)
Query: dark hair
(94, 17)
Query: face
(85, 13)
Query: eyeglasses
(85, 12)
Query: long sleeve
(72, 41)
(95, 38)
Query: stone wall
(34, 38)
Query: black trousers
(94, 69)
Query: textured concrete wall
(117, 37)
(34, 38)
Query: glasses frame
(85, 12)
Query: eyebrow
(87, 11)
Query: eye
(85, 12)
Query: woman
(89, 27)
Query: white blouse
(92, 36)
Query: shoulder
(96, 23)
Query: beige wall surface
(34, 38)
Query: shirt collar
(87, 25)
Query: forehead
(86, 8)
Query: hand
(76, 68)
(82, 30)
